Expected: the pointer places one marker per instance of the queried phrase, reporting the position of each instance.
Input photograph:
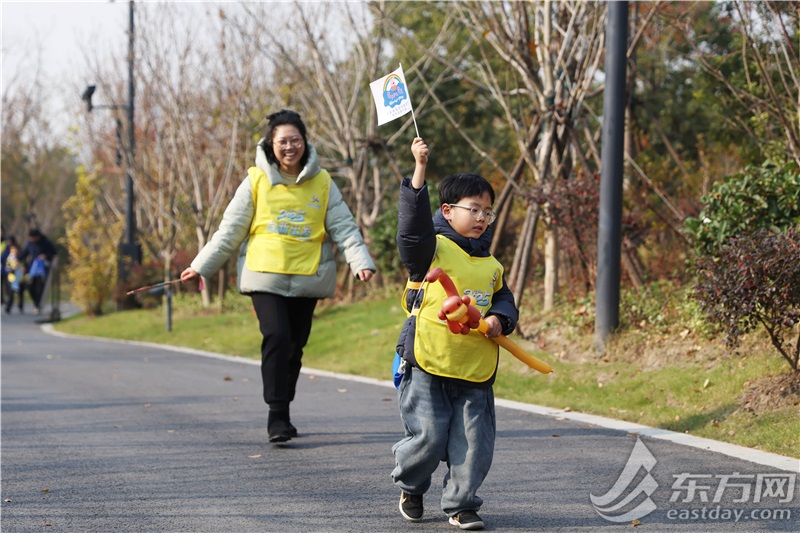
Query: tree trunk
(527, 237)
(504, 203)
(550, 265)
(222, 284)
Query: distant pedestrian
(284, 219)
(6, 250)
(37, 254)
(15, 277)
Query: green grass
(700, 397)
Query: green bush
(760, 197)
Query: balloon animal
(462, 316)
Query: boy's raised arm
(420, 151)
(416, 235)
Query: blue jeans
(444, 421)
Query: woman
(283, 218)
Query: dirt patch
(649, 350)
(770, 393)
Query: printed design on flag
(391, 96)
(394, 91)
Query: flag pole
(415, 120)
(412, 105)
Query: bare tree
(769, 98)
(38, 169)
(549, 54)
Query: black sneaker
(467, 520)
(411, 507)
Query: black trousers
(20, 294)
(36, 288)
(285, 325)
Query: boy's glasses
(297, 142)
(477, 214)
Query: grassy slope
(696, 396)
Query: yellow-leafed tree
(92, 245)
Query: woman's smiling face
(288, 147)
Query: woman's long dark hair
(284, 117)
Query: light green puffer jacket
(234, 231)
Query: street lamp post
(130, 252)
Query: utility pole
(609, 237)
(130, 251)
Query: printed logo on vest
(482, 298)
(292, 216)
(314, 203)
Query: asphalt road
(103, 436)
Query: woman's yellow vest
(288, 227)
(437, 350)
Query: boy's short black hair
(463, 185)
(284, 117)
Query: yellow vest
(288, 227)
(437, 350)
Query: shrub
(755, 280)
(92, 247)
(761, 197)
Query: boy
(445, 397)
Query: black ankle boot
(278, 425)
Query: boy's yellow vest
(437, 350)
(289, 224)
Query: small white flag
(391, 96)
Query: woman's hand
(189, 274)
(365, 275)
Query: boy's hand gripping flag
(391, 97)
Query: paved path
(103, 436)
